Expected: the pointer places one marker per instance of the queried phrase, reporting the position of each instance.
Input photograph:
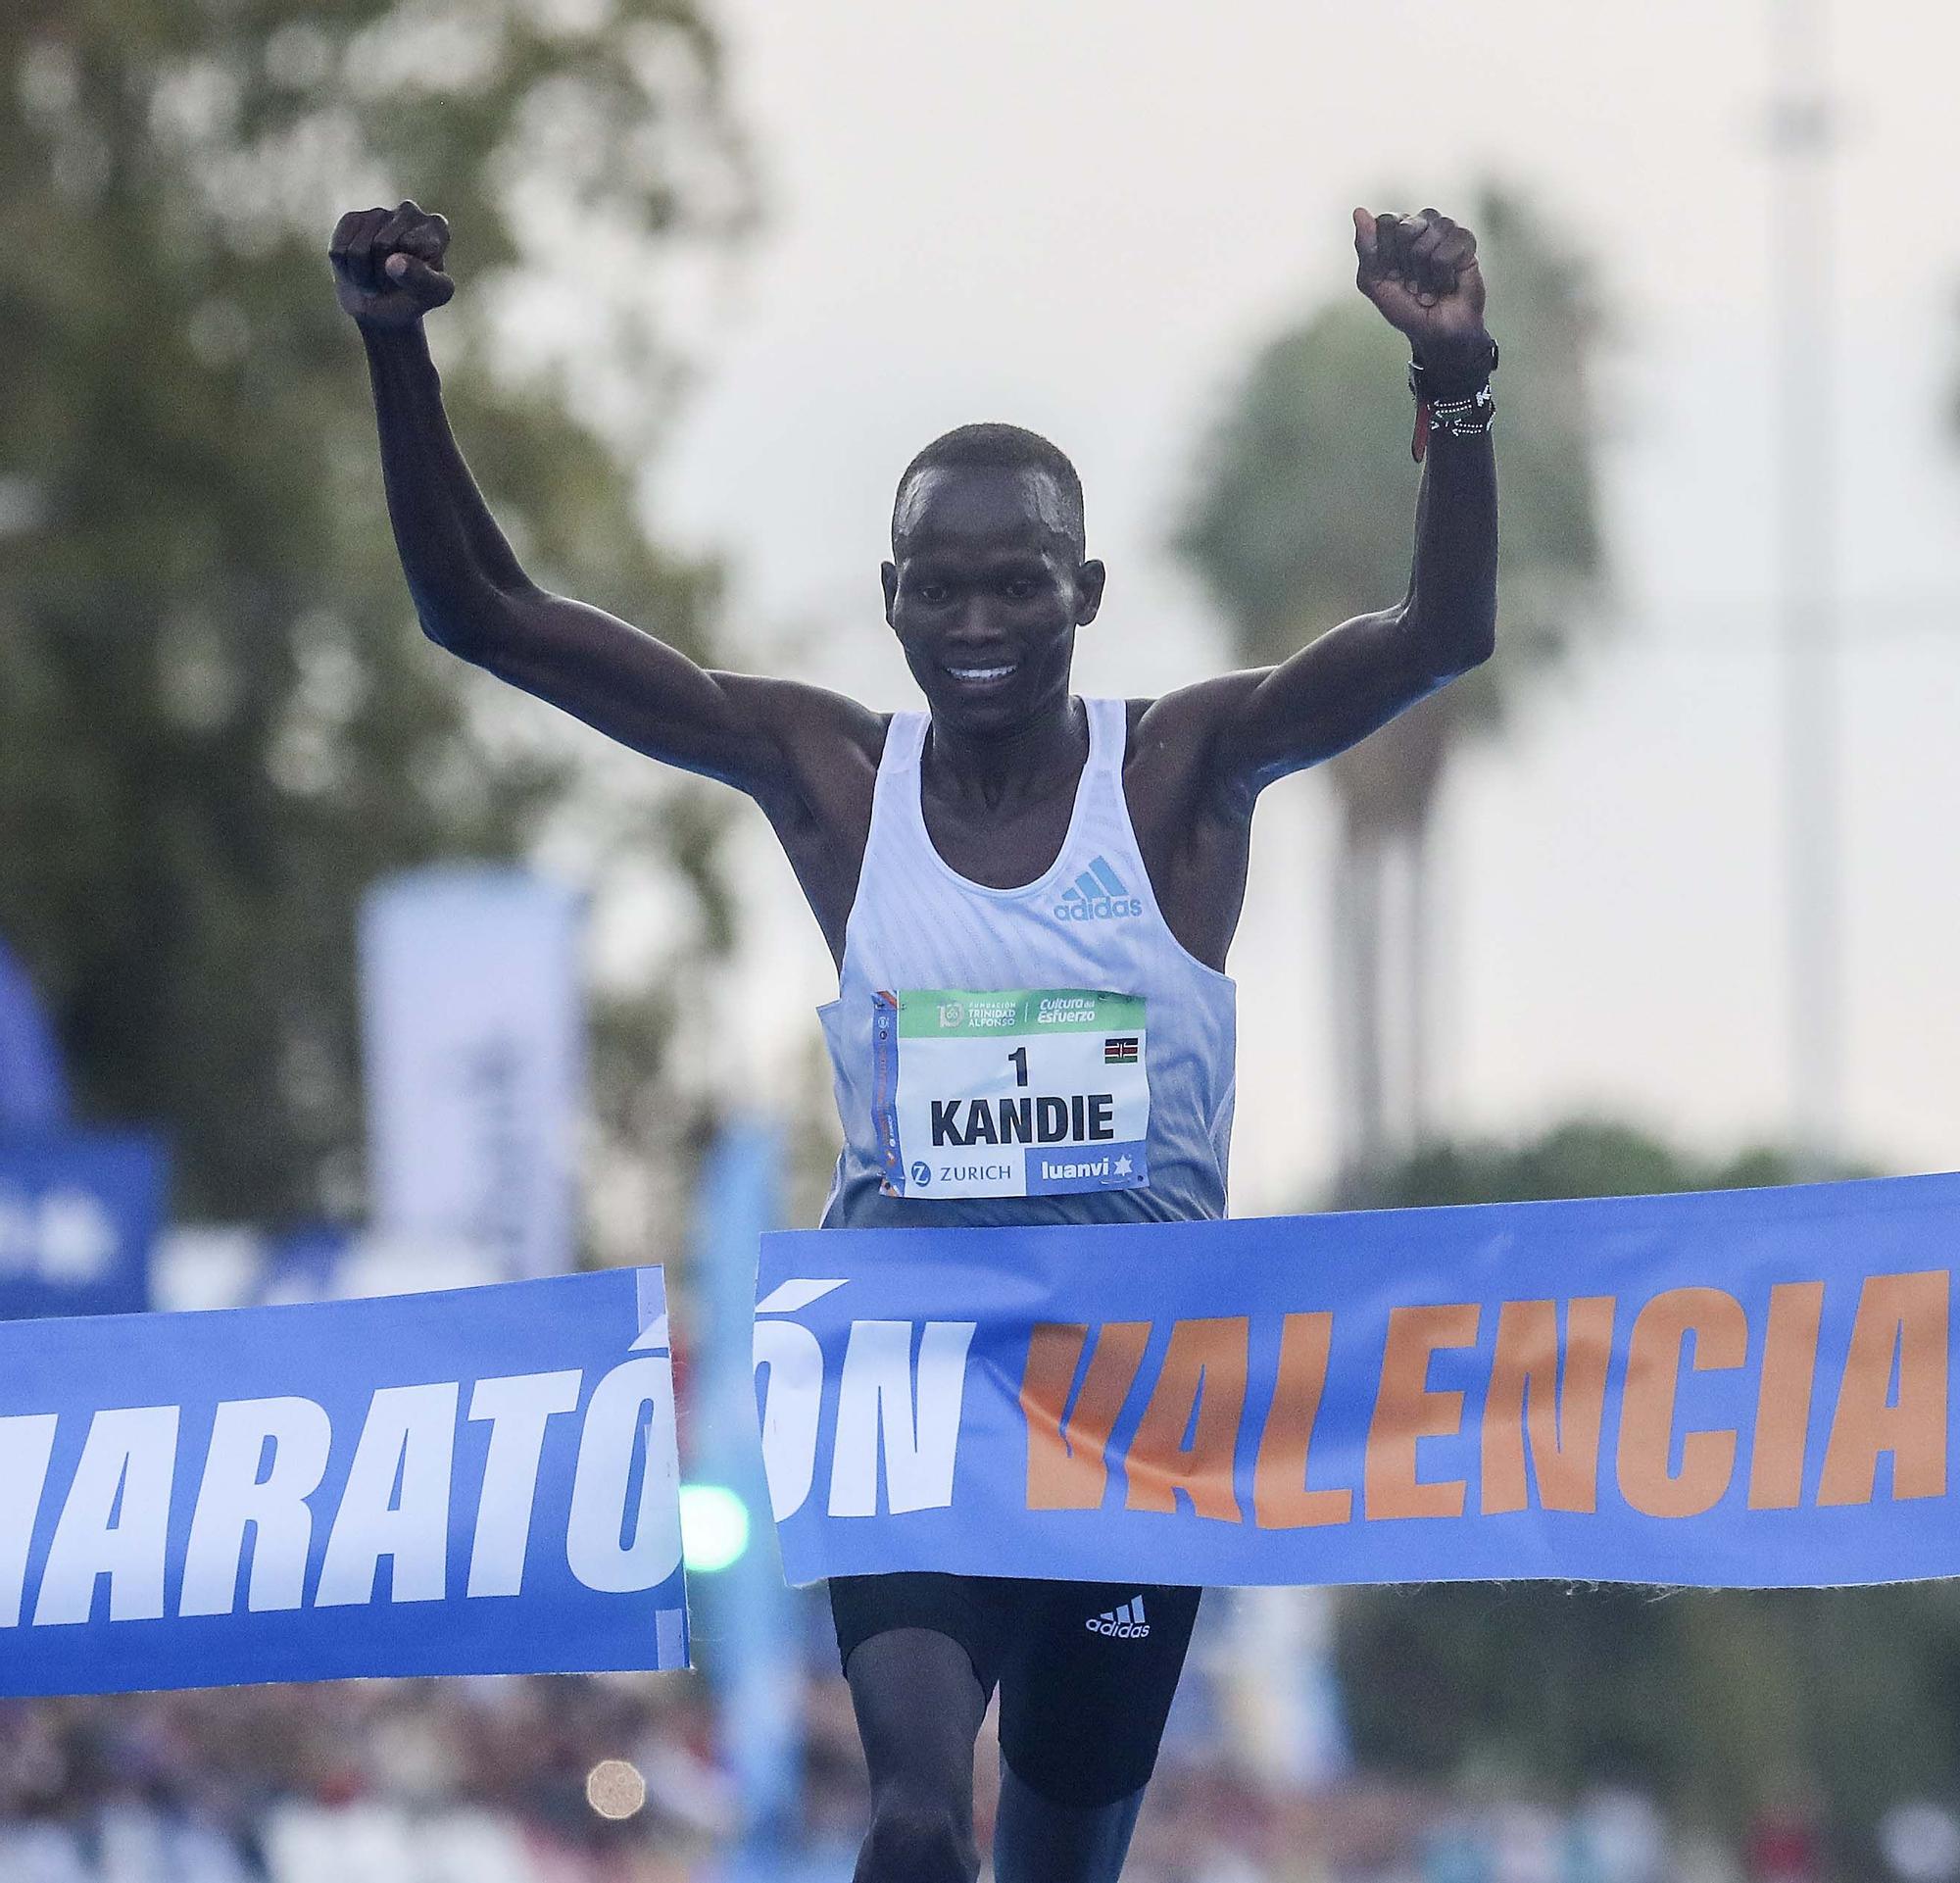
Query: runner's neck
(1026, 763)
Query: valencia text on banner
(1750, 1388)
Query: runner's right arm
(471, 594)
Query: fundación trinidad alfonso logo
(1098, 894)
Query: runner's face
(986, 594)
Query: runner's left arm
(1422, 273)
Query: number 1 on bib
(1065, 1109)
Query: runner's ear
(1089, 579)
(888, 575)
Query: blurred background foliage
(218, 721)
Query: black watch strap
(1428, 385)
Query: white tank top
(1090, 1081)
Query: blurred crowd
(386, 1781)
(615, 1779)
(624, 1779)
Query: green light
(713, 1526)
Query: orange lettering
(1405, 1410)
(1065, 1460)
(1204, 1373)
(1528, 1400)
(1906, 1316)
(1721, 1333)
(1782, 1401)
(1281, 1499)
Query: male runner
(1010, 839)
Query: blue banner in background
(34, 1089)
(473, 1049)
(476, 1481)
(78, 1215)
(757, 1665)
(1746, 1388)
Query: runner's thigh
(1086, 1685)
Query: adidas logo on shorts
(1126, 1623)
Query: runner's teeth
(980, 672)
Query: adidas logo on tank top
(1126, 1623)
(1098, 895)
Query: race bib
(1031, 1093)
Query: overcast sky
(1082, 215)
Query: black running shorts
(1086, 1669)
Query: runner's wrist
(1453, 398)
(1454, 372)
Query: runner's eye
(1020, 588)
(932, 593)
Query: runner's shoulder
(828, 742)
(1173, 738)
(1194, 712)
(807, 717)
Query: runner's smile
(984, 677)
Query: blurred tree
(1584, 1157)
(218, 720)
(1722, 1704)
(1297, 521)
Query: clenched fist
(387, 265)
(1421, 273)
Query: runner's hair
(1000, 447)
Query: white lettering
(409, 1440)
(791, 1404)
(116, 1519)
(630, 1414)
(26, 1443)
(517, 1406)
(232, 1495)
(875, 1400)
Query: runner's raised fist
(387, 265)
(1421, 273)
